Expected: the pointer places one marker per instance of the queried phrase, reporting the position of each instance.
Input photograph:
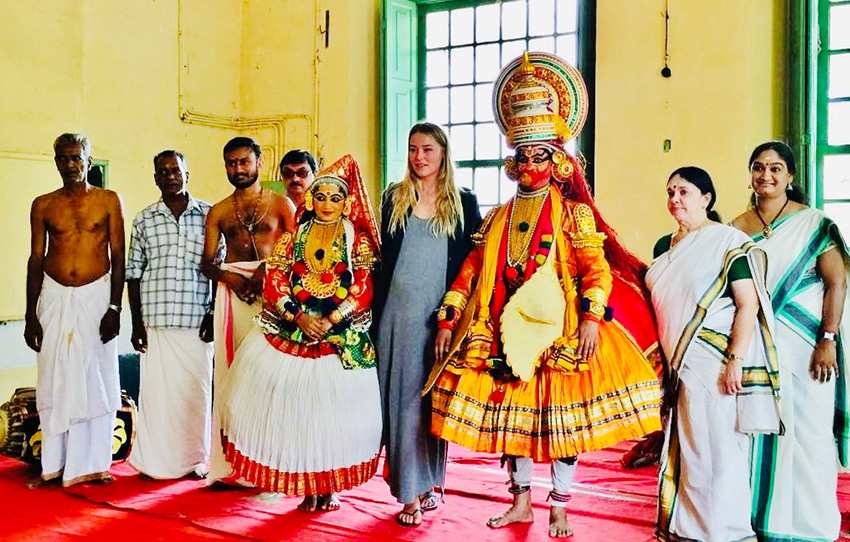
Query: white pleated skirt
(299, 426)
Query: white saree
(703, 490)
(794, 477)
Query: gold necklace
(767, 231)
(525, 214)
(319, 245)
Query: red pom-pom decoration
(299, 268)
(302, 296)
(327, 277)
(511, 273)
(340, 267)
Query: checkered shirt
(165, 254)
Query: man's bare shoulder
(43, 201)
(281, 202)
(220, 207)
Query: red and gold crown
(539, 98)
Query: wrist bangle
(114, 307)
(827, 336)
(733, 357)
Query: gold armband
(586, 235)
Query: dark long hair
(787, 155)
(702, 180)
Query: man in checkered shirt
(170, 303)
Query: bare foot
(559, 526)
(37, 482)
(309, 503)
(519, 512)
(328, 503)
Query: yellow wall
(725, 96)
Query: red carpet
(609, 504)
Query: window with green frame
(832, 149)
(440, 61)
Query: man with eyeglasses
(297, 169)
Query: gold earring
(308, 201)
(346, 210)
(563, 166)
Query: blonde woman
(426, 226)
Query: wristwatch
(827, 336)
(116, 308)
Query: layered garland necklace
(525, 213)
(522, 223)
(321, 278)
(249, 223)
(767, 230)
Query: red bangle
(445, 324)
(592, 317)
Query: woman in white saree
(714, 322)
(794, 477)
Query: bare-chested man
(251, 219)
(74, 290)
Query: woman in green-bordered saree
(714, 324)
(794, 477)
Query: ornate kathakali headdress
(539, 98)
(345, 173)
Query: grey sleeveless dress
(416, 459)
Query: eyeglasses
(290, 174)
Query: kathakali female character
(301, 411)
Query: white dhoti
(300, 426)
(175, 404)
(78, 392)
(234, 319)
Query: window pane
(486, 62)
(437, 105)
(839, 75)
(437, 29)
(839, 27)
(462, 29)
(836, 176)
(483, 102)
(487, 185)
(507, 187)
(511, 50)
(486, 141)
(541, 17)
(463, 177)
(513, 20)
(437, 68)
(838, 120)
(462, 65)
(567, 16)
(487, 23)
(462, 142)
(462, 104)
(544, 45)
(840, 213)
(566, 48)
